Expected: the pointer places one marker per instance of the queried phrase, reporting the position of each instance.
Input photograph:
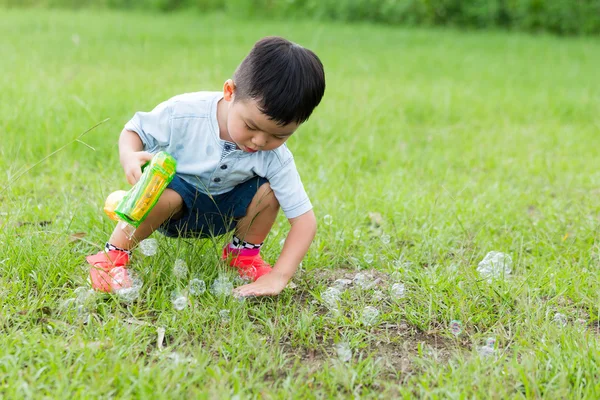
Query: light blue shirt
(186, 127)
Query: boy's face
(252, 130)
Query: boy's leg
(259, 219)
(169, 205)
(250, 232)
(107, 270)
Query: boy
(233, 168)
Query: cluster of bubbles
(220, 287)
(495, 265)
(375, 227)
(128, 293)
(331, 297)
(131, 293)
(487, 350)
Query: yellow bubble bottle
(132, 207)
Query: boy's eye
(279, 137)
(250, 129)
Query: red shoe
(249, 267)
(108, 272)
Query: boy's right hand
(132, 164)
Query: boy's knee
(170, 202)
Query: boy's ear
(228, 90)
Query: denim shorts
(209, 215)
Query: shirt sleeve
(288, 188)
(154, 127)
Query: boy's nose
(259, 141)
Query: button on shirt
(186, 127)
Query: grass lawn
(431, 149)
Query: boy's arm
(132, 155)
(129, 142)
(301, 235)
(296, 246)
(146, 130)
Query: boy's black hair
(285, 79)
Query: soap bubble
(225, 316)
(180, 303)
(291, 285)
(489, 349)
(82, 295)
(342, 284)
(486, 351)
(178, 358)
(560, 319)
(148, 247)
(238, 281)
(495, 265)
(130, 294)
(377, 296)
(179, 300)
(344, 352)
(120, 278)
(83, 313)
(221, 286)
(239, 298)
(197, 287)
(357, 233)
(247, 274)
(328, 219)
(456, 327)
(68, 304)
(385, 239)
(180, 269)
(363, 281)
(368, 257)
(331, 297)
(370, 315)
(81, 303)
(398, 290)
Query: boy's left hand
(270, 284)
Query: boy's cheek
(236, 134)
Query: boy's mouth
(249, 150)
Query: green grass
(463, 143)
